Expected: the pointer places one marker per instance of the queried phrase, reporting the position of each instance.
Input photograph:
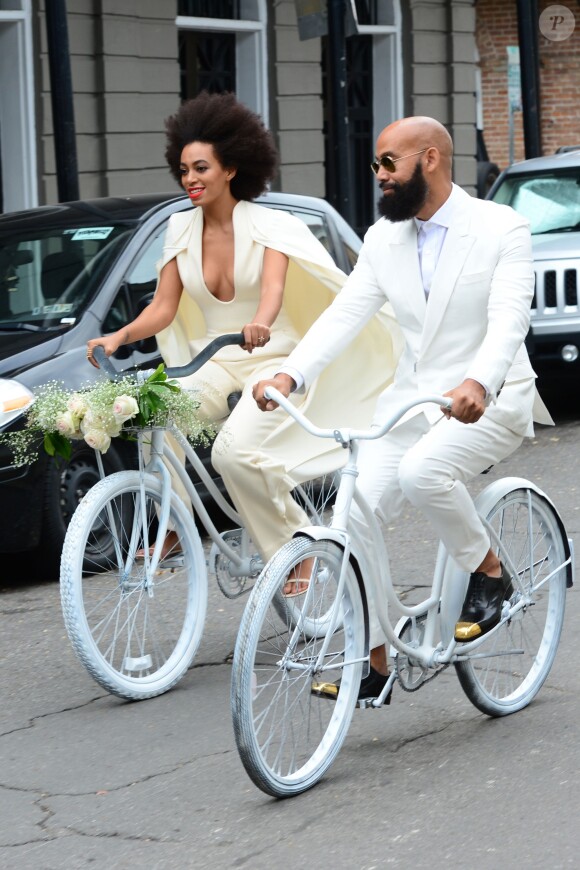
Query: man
(458, 273)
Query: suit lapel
(404, 261)
(458, 242)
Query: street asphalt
(91, 781)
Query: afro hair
(238, 136)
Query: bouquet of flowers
(102, 411)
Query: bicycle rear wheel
(506, 671)
(136, 633)
(287, 738)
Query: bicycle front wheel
(506, 672)
(288, 737)
(317, 497)
(136, 633)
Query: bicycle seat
(233, 399)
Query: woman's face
(203, 177)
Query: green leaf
(48, 445)
(56, 444)
(158, 375)
(159, 389)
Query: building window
(222, 47)
(209, 8)
(18, 182)
(207, 61)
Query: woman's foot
(298, 579)
(170, 547)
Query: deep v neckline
(200, 260)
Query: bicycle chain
(427, 674)
(417, 686)
(229, 585)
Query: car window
(549, 200)
(317, 225)
(139, 285)
(351, 255)
(48, 275)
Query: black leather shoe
(370, 688)
(482, 606)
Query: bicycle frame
(241, 562)
(437, 646)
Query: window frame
(251, 53)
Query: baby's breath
(101, 411)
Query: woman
(230, 265)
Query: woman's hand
(255, 335)
(109, 343)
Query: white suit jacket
(473, 324)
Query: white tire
(135, 633)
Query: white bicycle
(286, 735)
(135, 619)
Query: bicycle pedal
(172, 562)
(366, 704)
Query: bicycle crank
(411, 674)
(230, 581)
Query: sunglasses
(389, 164)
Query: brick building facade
(497, 28)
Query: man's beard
(406, 199)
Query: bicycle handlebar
(347, 434)
(174, 371)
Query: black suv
(70, 272)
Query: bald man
(458, 273)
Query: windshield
(48, 274)
(549, 200)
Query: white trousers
(254, 463)
(429, 466)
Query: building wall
(497, 28)
(443, 75)
(125, 77)
(298, 95)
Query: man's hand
(282, 382)
(468, 402)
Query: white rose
(77, 405)
(88, 422)
(66, 424)
(98, 440)
(124, 407)
(113, 428)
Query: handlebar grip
(175, 371)
(105, 363)
(206, 354)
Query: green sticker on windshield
(91, 233)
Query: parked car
(487, 172)
(69, 272)
(546, 190)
